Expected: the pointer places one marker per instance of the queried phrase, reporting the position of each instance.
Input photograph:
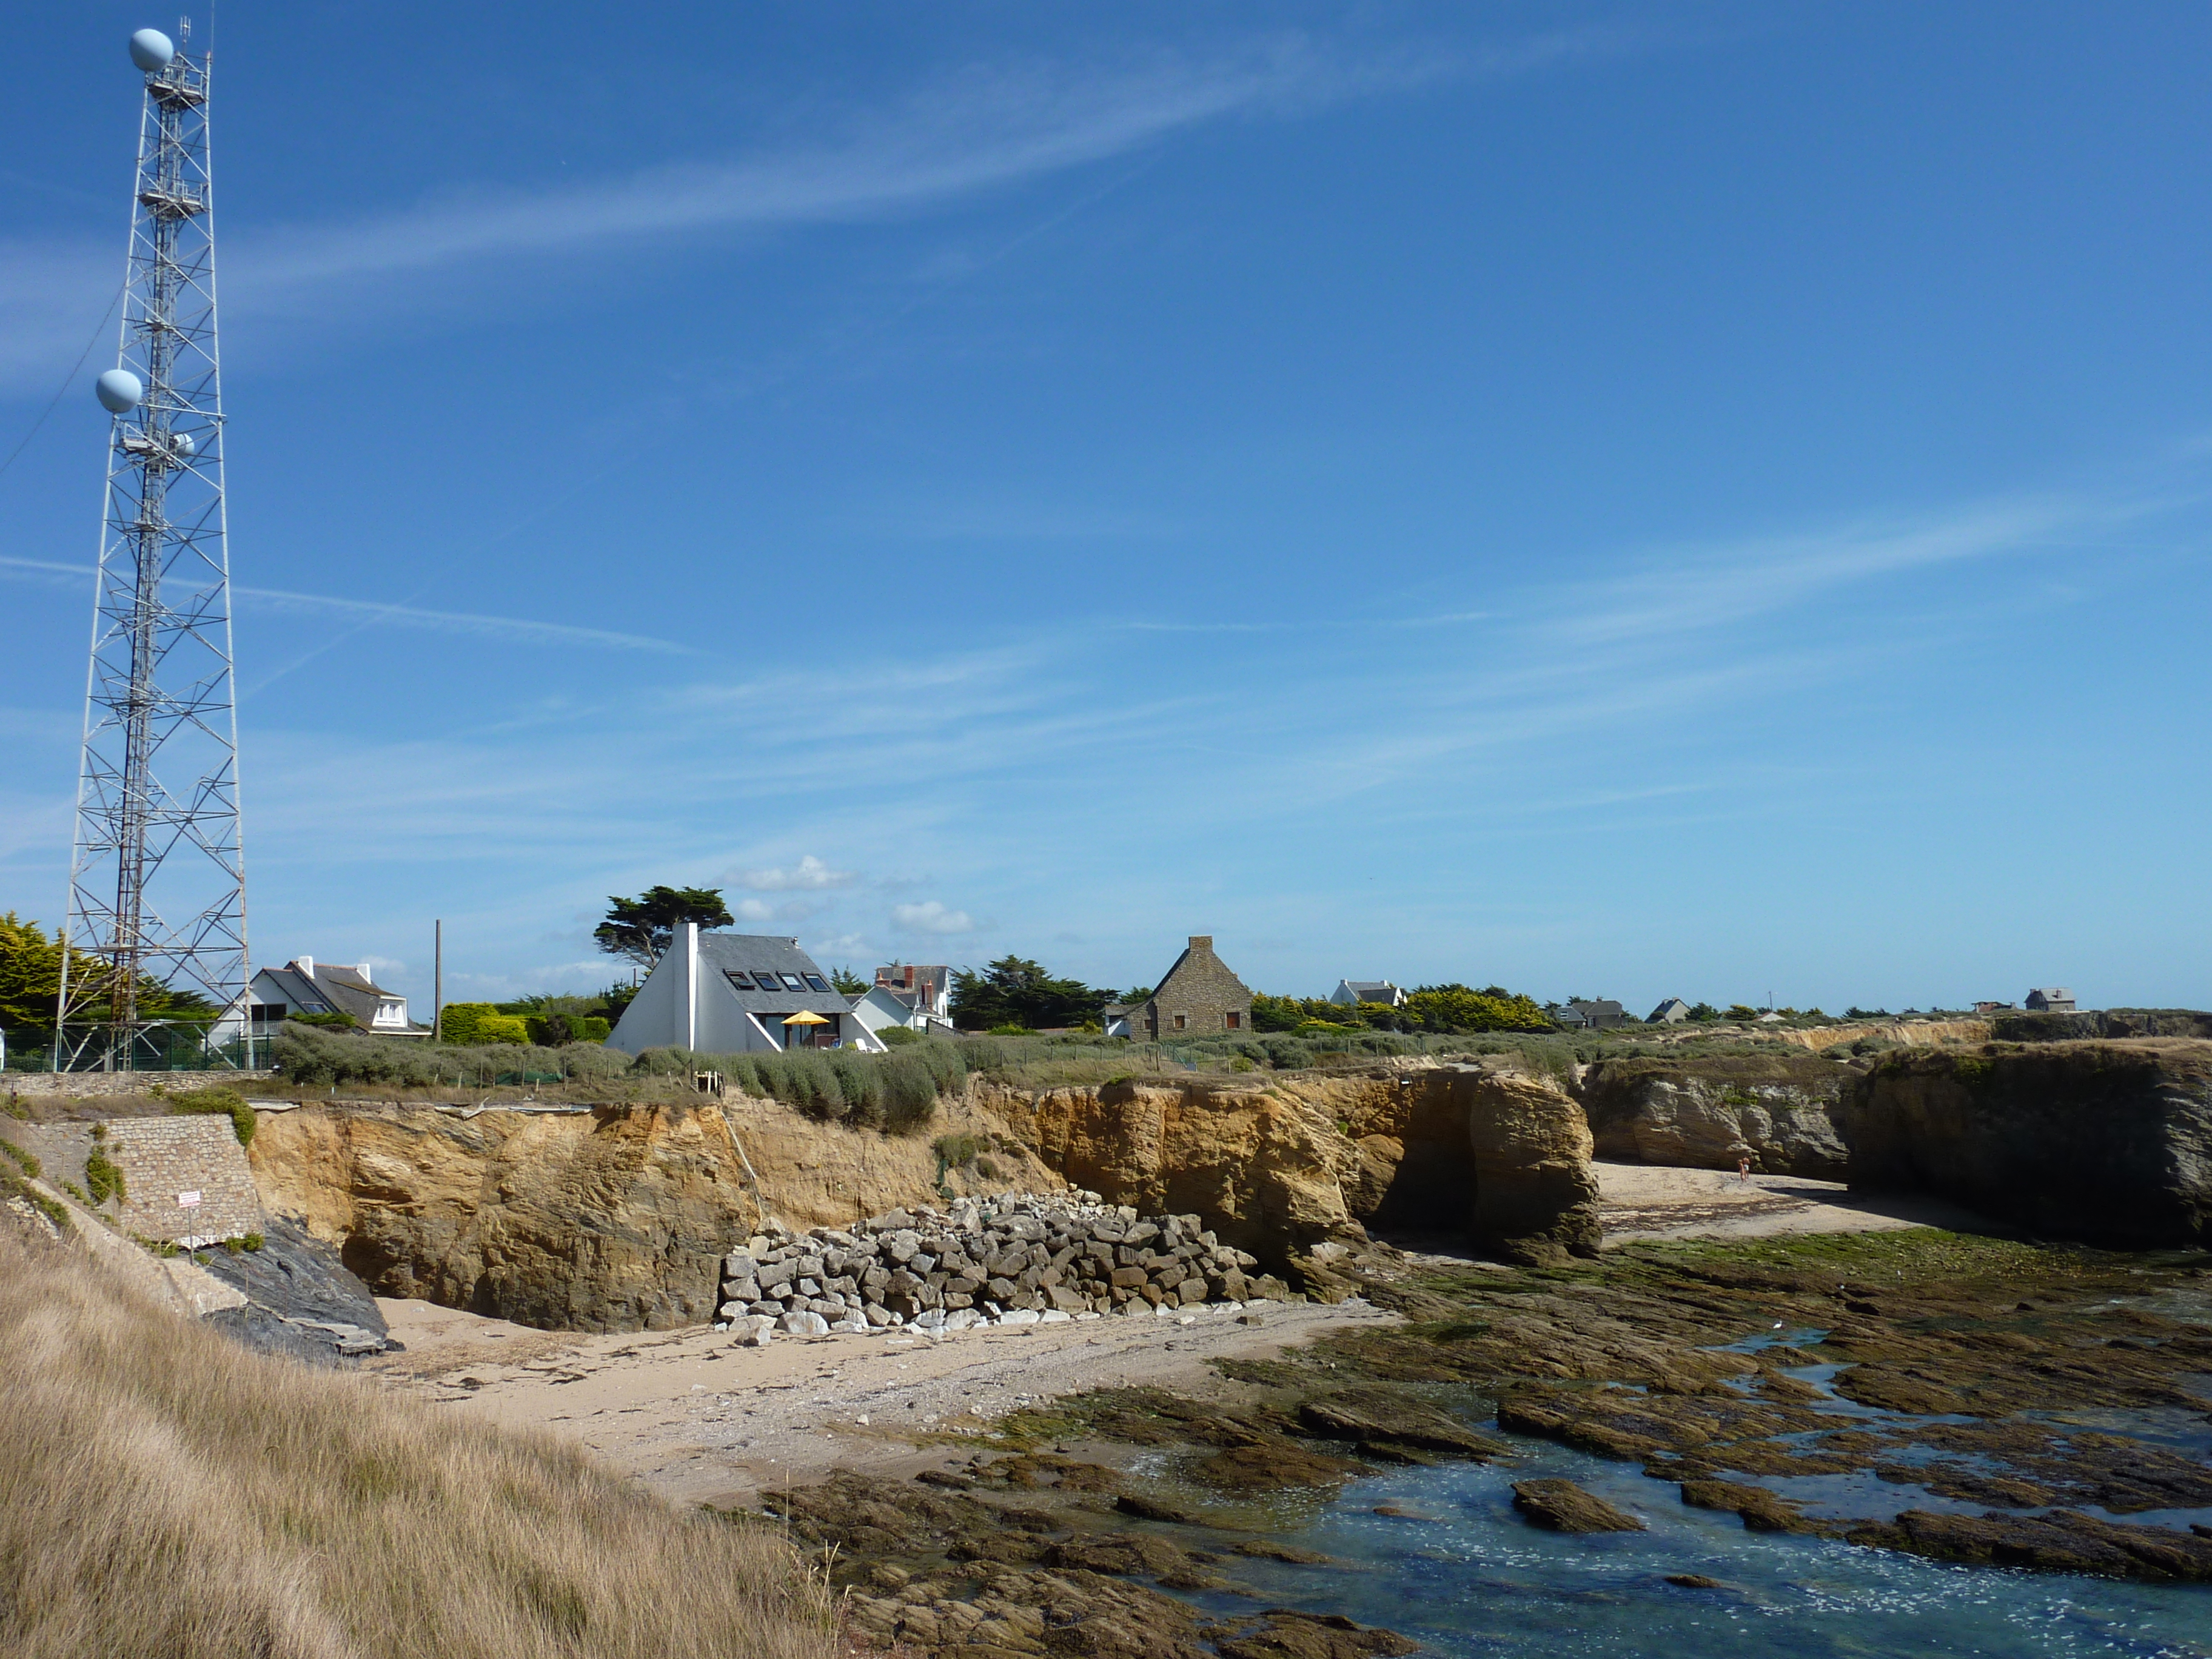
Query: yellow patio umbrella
(800, 1019)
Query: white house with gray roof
(1351, 993)
(304, 985)
(734, 993)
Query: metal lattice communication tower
(157, 883)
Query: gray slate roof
(754, 954)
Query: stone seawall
(90, 1086)
(185, 1179)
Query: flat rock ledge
(1563, 1506)
(1016, 1260)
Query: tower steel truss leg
(155, 971)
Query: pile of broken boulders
(1017, 1259)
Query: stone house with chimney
(1200, 997)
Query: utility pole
(438, 982)
(157, 878)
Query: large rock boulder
(2110, 1142)
(1535, 1195)
(1266, 1170)
(1281, 1166)
(1783, 1112)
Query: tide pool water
(1471, 1577)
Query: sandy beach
(1643, 1201)
(705, 1421)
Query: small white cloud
(845, 944)
(930, 917)
(752, 910)
(811, 875)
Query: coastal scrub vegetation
(166, 1491)
(1453, 1010)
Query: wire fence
(153, 1047)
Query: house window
(1233, 1019)
(1182, 1021)
(740, 981)
(792, 982)
(815, 981)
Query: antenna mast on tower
(157, 881)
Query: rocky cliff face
(2104, 1141)
(1783, 1112)
(610, 1219)
(2101, 1023)
(616, 1218)
(1280, 1167)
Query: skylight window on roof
(738, 979)
(792, 982)
(815, 981)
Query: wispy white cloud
(1683, 591)
(809, 875)
(522, 630)
(931, 916)
(983, 129)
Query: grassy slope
(164, 1493)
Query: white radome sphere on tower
(152, 49)
(181, 446)
(118, 391)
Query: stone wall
(1202, 992)
(185, 1179)
(86, 1085)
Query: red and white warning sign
(188, 1200)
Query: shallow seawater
(1475, 1578)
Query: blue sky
(1613, 500)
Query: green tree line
(31, 982)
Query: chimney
(304, 965)
(1202, 941)
(367, 976)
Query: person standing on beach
(1743, 1169)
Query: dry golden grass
(163, 1492)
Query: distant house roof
(2052, 993)
(762, 969)
(1374, 990)
(1603, 1011)
(327, 987)
(1669, 1012)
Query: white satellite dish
(181, 445)
(152, 49)
(118, 391)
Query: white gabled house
(1351, 993)
(877, 1008)
(304, 985)
(733, 993)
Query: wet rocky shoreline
(1980, 1386)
